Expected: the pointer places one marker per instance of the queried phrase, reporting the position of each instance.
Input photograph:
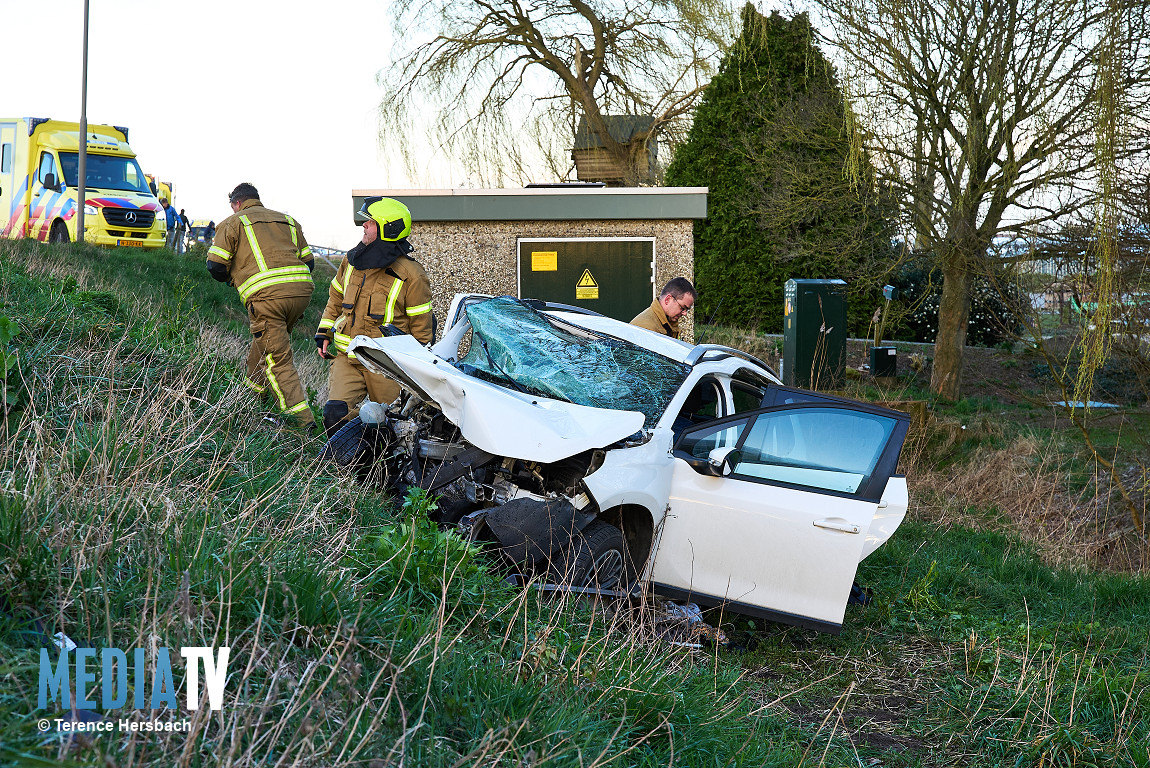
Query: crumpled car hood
(492, 418)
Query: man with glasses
(663, 315)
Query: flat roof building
(604, 248)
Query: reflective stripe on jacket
(265, 253)
(362, 302)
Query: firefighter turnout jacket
(363, 301)
(264, 253)
(653, 318)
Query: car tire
(597, 557)
(59, 233)
(354, 445)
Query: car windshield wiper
(486, 351)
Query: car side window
(701, 442)
(828, 448)
(47, 166)
(703, 404)
(746, 397)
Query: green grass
(144, 501)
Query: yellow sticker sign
(544, 261)
(586, 288)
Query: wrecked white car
(593, 453)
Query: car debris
(595, 454)
(683, 625)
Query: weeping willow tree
(499, 86)
(991, 120)
(1108, 253)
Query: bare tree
(991, 119)
(502, 78)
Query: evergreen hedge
(789, 197)
(994, 302)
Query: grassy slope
(143, 501)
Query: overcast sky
(281, 94)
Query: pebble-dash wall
(480, 256)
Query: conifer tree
(791, 195)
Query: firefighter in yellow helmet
(264, 254)
(375, 285)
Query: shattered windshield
(517, 347)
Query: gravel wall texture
(480, 256)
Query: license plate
(133, 243)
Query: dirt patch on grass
(880, 700)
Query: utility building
(604, 249)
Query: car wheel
(597, 557)
(59, 233)
(354, 445)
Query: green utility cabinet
(814, 333)
(613, 276)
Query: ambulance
(39, 166)
(161, 189)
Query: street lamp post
(82, 171)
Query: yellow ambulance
(161, 189)
(39, 166)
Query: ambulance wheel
(59, 233)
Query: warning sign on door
(586, 288)
(544, 261)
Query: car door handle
(837, 525)
(883, 505)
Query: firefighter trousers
(271, 370)
(350, 383)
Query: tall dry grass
(981, 472)
(144, 502)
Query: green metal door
(613, 276)
(814, 333)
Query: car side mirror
(50, 181)
(722, 461)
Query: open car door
(770, 509)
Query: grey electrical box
(814, 333)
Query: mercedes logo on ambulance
(130, 217)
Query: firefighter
(264, 254)
(663, 315)
(376, 285)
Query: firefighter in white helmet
(376, 285)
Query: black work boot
(334, 415)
